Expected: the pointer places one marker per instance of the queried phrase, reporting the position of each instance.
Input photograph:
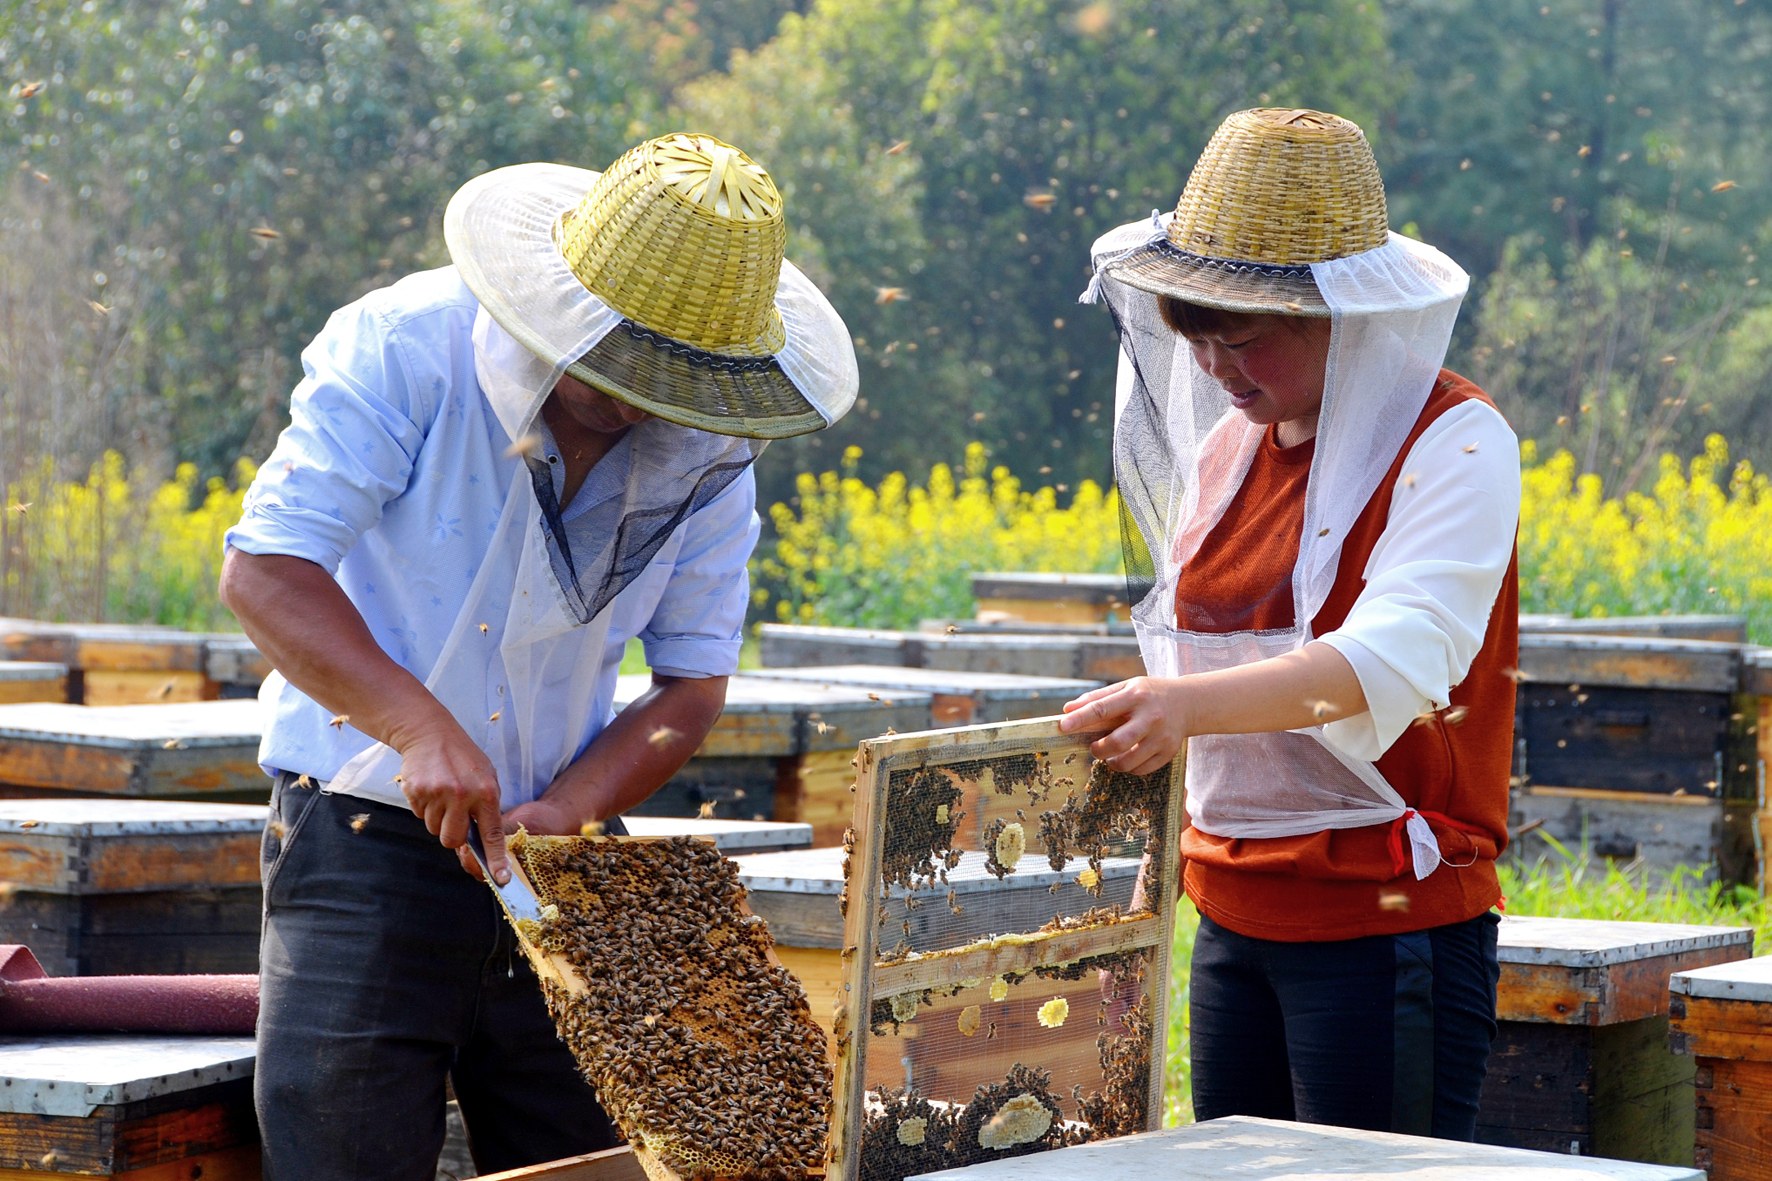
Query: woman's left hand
(1147, 719)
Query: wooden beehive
(113, 663)
(1087, 656)
(1581, 1063)
(1050, 598)
(780, 751)
(924, 993)
(957, 698)
(133, 1107)
(198, 750)
(1722, 1017)
(32, 680)
(1637, 749)
(122, 887)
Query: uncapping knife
(519, 900)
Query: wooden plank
(1593, 972)
(1721, 628)
(818, 789)
(1734, 1119)
(1626, 739)
(999, 957)
(143, 687)
(787, 645)
(32, 680)
(958, 697)
(613, 1164)
(1708, 837)
(1042, 610)
(1721, 1029)
(1103, 591)
(1702, 665)
(234, 659)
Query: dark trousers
(384, 970)
(1389, 1033)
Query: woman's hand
(1147, 718)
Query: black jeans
(1389, 1032)
(384, 970)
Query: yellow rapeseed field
(893, 553)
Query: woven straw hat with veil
(1283, 214)
(660, 282)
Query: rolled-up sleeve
(1433, 578)
(357, 420)
(698, 626)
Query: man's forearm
(298, 616)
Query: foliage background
(188, 188)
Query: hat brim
(1161, 269)
(499, 228)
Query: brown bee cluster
(701, 1048)
(1114, 808)
(905, 1134)
(923, 805)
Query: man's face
(594, 410)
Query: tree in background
(954, 159)
(256, 165)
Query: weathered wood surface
(957, 698)
(1645, 740)
(1581, 1060)
(1596, 972)
(776, 718)
(32, 680)
(615, 1164)
(1709, 837)
(92, 846)
(1721, 628)
(1050, 598)
(1273, 1150)
(1107, 657)
(129, 1107)
(1630, 662)
(1722, 1016)
(184, 750)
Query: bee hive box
(113, 663)
(700, 1046)
(985, 1028)
(32, 680)
(193, 750)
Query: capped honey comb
(700, 1046)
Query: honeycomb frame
(874, 976)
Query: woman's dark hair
(1195, 320)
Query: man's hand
(448, 781)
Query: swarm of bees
(701, 1048)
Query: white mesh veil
(1180, 456)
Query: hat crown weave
(1282, 187)
(684, 236)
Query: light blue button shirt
(392, 475)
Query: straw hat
(1275, 190)
(682, 239)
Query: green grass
(1551, 881)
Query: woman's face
(1272, 367)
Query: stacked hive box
(1637, 748)
(781, 750)
(121, 887)
(1581, 1063)
(198, 750)
(1722, 1016)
